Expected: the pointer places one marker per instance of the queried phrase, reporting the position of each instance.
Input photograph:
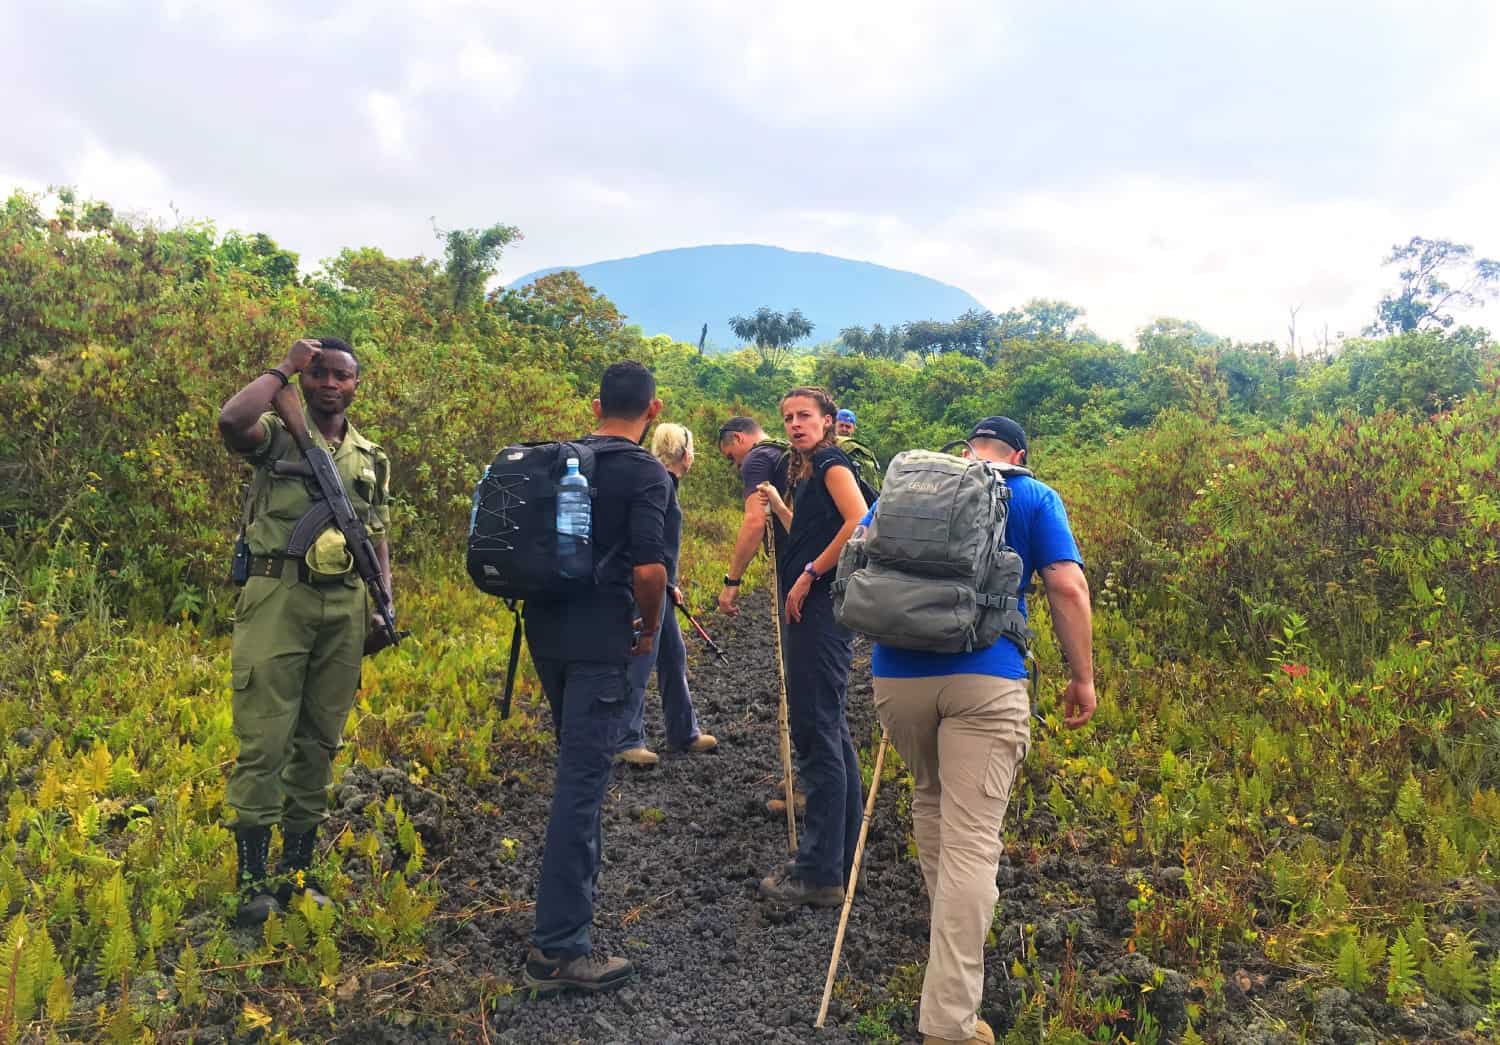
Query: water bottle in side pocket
(575, 551)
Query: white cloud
(497, 76)
(477, 70)
(1233, 257)
(388, 122)
(1168, 158)
(128, 179)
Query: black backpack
(513, 529)
(513, 520)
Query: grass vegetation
(1297, 628)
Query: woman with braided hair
(819, 480)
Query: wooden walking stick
(786, 726)
(859, 852)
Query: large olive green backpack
(866, 468)
(932, 571)
(864, 458)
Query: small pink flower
(1296, 671)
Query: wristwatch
(813, 570)
(731, 582)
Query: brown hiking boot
(638, 756)
(586, 972)
(701, 743)
(983, 1035)
(777, 805)
(783, 887)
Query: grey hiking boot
(784, 887)
(257, 903)
(586, 972)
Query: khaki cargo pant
(962, 737)
(295, 666)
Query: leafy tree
(1435, 275)
(887, 344)
(856, 340)
(1041, 319)
(471, 258)
(259, 255)
(561, 323)
(772, 334)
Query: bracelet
(732, 582)
(277, 371)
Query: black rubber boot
(252, 845)
(296, 860)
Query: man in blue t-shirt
(961, 722)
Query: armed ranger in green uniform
(305, 614)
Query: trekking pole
(786, 728)
(859, 852)
(712, 645)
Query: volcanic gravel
(686, 843)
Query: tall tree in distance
(772, 334)
(856, 341)
(471, 257)
(1428, 265)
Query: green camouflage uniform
(860, 454)
(297, 644)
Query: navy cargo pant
(669, 658)
(589, 706)
(819, 652)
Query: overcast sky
(1213, 161)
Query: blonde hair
(671, 443)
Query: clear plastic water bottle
(575, 553)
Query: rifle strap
(510, 669)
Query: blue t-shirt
(1038, 530)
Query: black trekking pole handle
(712, 645)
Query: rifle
(712, 645)
(334, 507)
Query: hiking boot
(783, 887)
(586, 972)
(638, 756)
(296, 860)
(983, 1035)
(777, 805)
(701, 743)
(257, 903)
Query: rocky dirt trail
(686, 844)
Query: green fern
(1401, 974)
(271, 931)
(59, 998)
(1409, 801)
(1460, 975)
(189, 979)
(1352, 967)
(1030, 1024)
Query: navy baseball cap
(1002, 428)
(845, 415)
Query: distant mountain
(676, 291)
